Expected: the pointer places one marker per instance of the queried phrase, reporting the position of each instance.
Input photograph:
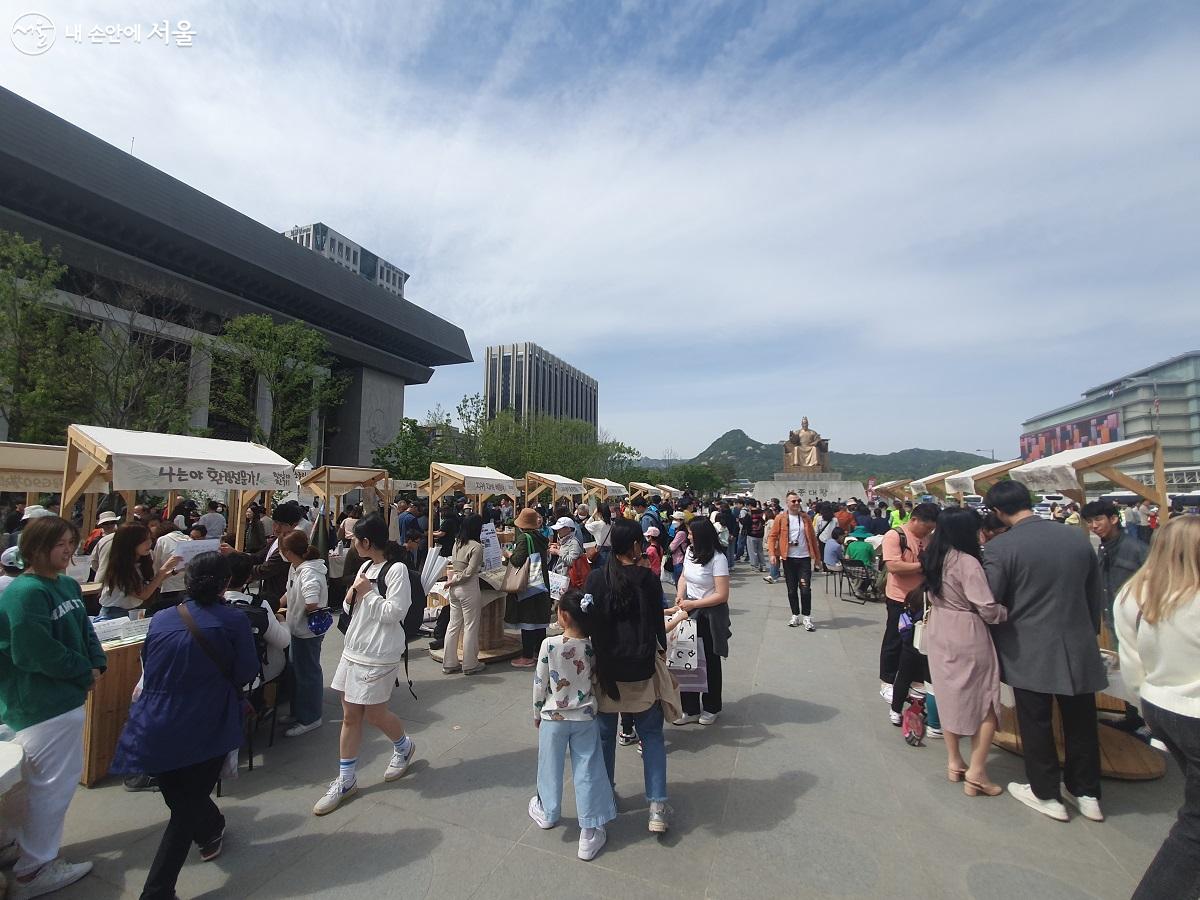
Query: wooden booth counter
(107, 708)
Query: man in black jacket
(270, 568)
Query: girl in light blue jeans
(564, 708)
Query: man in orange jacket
(794, 545)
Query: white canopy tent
(33, 469)
(1065, 472)
(641, 489)
(557, 485)
(603, 489)
(979, 479)
(667, 491)
(931, 484)
(893, 489)
(139, 460)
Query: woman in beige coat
(465, 600)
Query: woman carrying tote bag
(529, 607)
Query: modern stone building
(1162, 399)
(119, 221)
(527, 379)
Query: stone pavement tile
(531, 872)
(382, 851)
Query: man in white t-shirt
(99, 565)
(794, 544)
(213, 521)
(172, 590)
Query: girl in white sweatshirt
(307, 591)
(377, 602)
(1157, 618)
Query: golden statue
(808, 449)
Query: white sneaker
(895, 717)
(538, 813)
(1052, 808)
(885, 691)
(707, 718)
(298, 729)
(399, 762)
(794, 622)
(932, 732)
(591, 840)
(686, 720)
(1089, 807)
(57, 873)
(768, 579)
(338, 791)
(808, 624)
(660, 817)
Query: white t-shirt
(797, 542)
(701, 579)
(164, 549)
(214, 524)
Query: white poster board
(492, 558)
(189, 550)
(473, 484)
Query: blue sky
(916, 223)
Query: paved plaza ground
(802, 789)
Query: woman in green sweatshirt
(49, 659)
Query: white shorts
(365, 685)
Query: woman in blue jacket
(197, 658)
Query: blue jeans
(649, 725)
(113, 612)
(773, 571)
(731, 553)
(308, 684)
(594, 800)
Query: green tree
(408, 454)
(292, 361)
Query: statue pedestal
(809, 484)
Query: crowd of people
(971, 597)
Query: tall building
(527, 379)
(1162, 399)
(121, 226)
(322, 239)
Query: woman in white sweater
(1157, 618)
(307, 591)
(377, 602)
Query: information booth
(599, 490)
(133, 461)
(537, 483)
(332, 483)
(641, 489)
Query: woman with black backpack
(625, 603)
(377, 603)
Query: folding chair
(861, 579)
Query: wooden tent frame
(331, 483)
(602, 489)
(893, 490)
(642, 489)
(984, 476)
(934, 484)
(668, 492)
(538, 482)
(1103, 464)
(43, 475)
(443, 478)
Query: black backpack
(259, 618)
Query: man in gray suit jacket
(1046, 574)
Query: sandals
(974, 789)
(955, 775)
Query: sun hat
(679, 516)
(108, 516)
(35, 512)
(564, 522)
(527, 518)
(11, 558)
(652, 532)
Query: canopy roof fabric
(670, 491)
(560, 483)
(889, 485)
(964, 482)
(140, 460)
(1061, 471)
(922, 485)
(401, 484)
(640, 487)
(37, 468)
(605, 487)
(340, 480)
(480, 479)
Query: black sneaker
(210, 850)
(437, 645)
(141, 783)
(625, 738)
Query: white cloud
(917, 211)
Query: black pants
(691, 701)
(889, 650)
(531, 642)
(1081, 771)
(913, 666)
(194, 819)
(1175, 870)
(798, 575)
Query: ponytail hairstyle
(207, 576)
(571, 603)
(296, 543)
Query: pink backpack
(912, 723)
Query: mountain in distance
(757, 461)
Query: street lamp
(992, 452)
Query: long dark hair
(957, 529)
(705, 543)
(624, 536)
(207, 576)
(569, 603)
(470, 530)
(127, 572)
